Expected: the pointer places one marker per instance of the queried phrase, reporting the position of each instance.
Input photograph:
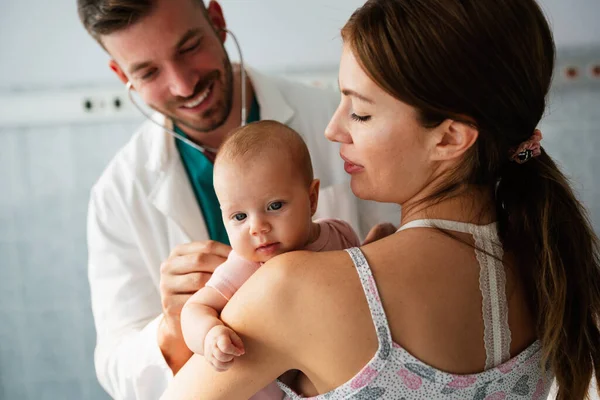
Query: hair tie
(528, 149)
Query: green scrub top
(200, 173)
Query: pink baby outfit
(231, 275)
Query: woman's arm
(262, 313)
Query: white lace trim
(492, 283)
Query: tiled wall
(46, 330)
(571, 132)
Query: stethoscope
(183, 138)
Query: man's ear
(216, 18)
(313, 193)
(112, 64)
(452, 139)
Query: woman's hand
(221, 346)
(379, 231)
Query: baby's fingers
(222, 356)
(237, 342)
(227, 344)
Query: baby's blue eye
(274, 206)
(239, 216)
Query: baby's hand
(221, 346)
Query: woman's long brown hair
(492, 62)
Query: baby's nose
(260, 226)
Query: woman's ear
(452, 139)
(313, 193)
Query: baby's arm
(203, 331)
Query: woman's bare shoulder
(289, 288)
(286, 277)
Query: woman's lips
(350, 167)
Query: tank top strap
(375, 306)
(382, 357)
(492, 283)
(439, 223)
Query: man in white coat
(155, 232)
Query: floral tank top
(393, 373)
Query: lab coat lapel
(172, 193)
(273, 105)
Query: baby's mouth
(268, 248)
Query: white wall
(42, 44)
(574, 22)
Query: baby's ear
(313, 193)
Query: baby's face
(267, 207)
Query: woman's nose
(336, 131)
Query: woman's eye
(276, 205)
(239, 216)
(360, 118)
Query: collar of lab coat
(174, 196)
(273, 105)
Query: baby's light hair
(262, 137)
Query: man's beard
(219, 112)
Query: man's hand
(380, 231)
(221, 346)
(186, 271)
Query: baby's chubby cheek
(237, 244)
(243, 248)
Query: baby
(263, 179)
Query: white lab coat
(143, 206)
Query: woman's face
(385, 149)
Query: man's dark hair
(103, 17)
